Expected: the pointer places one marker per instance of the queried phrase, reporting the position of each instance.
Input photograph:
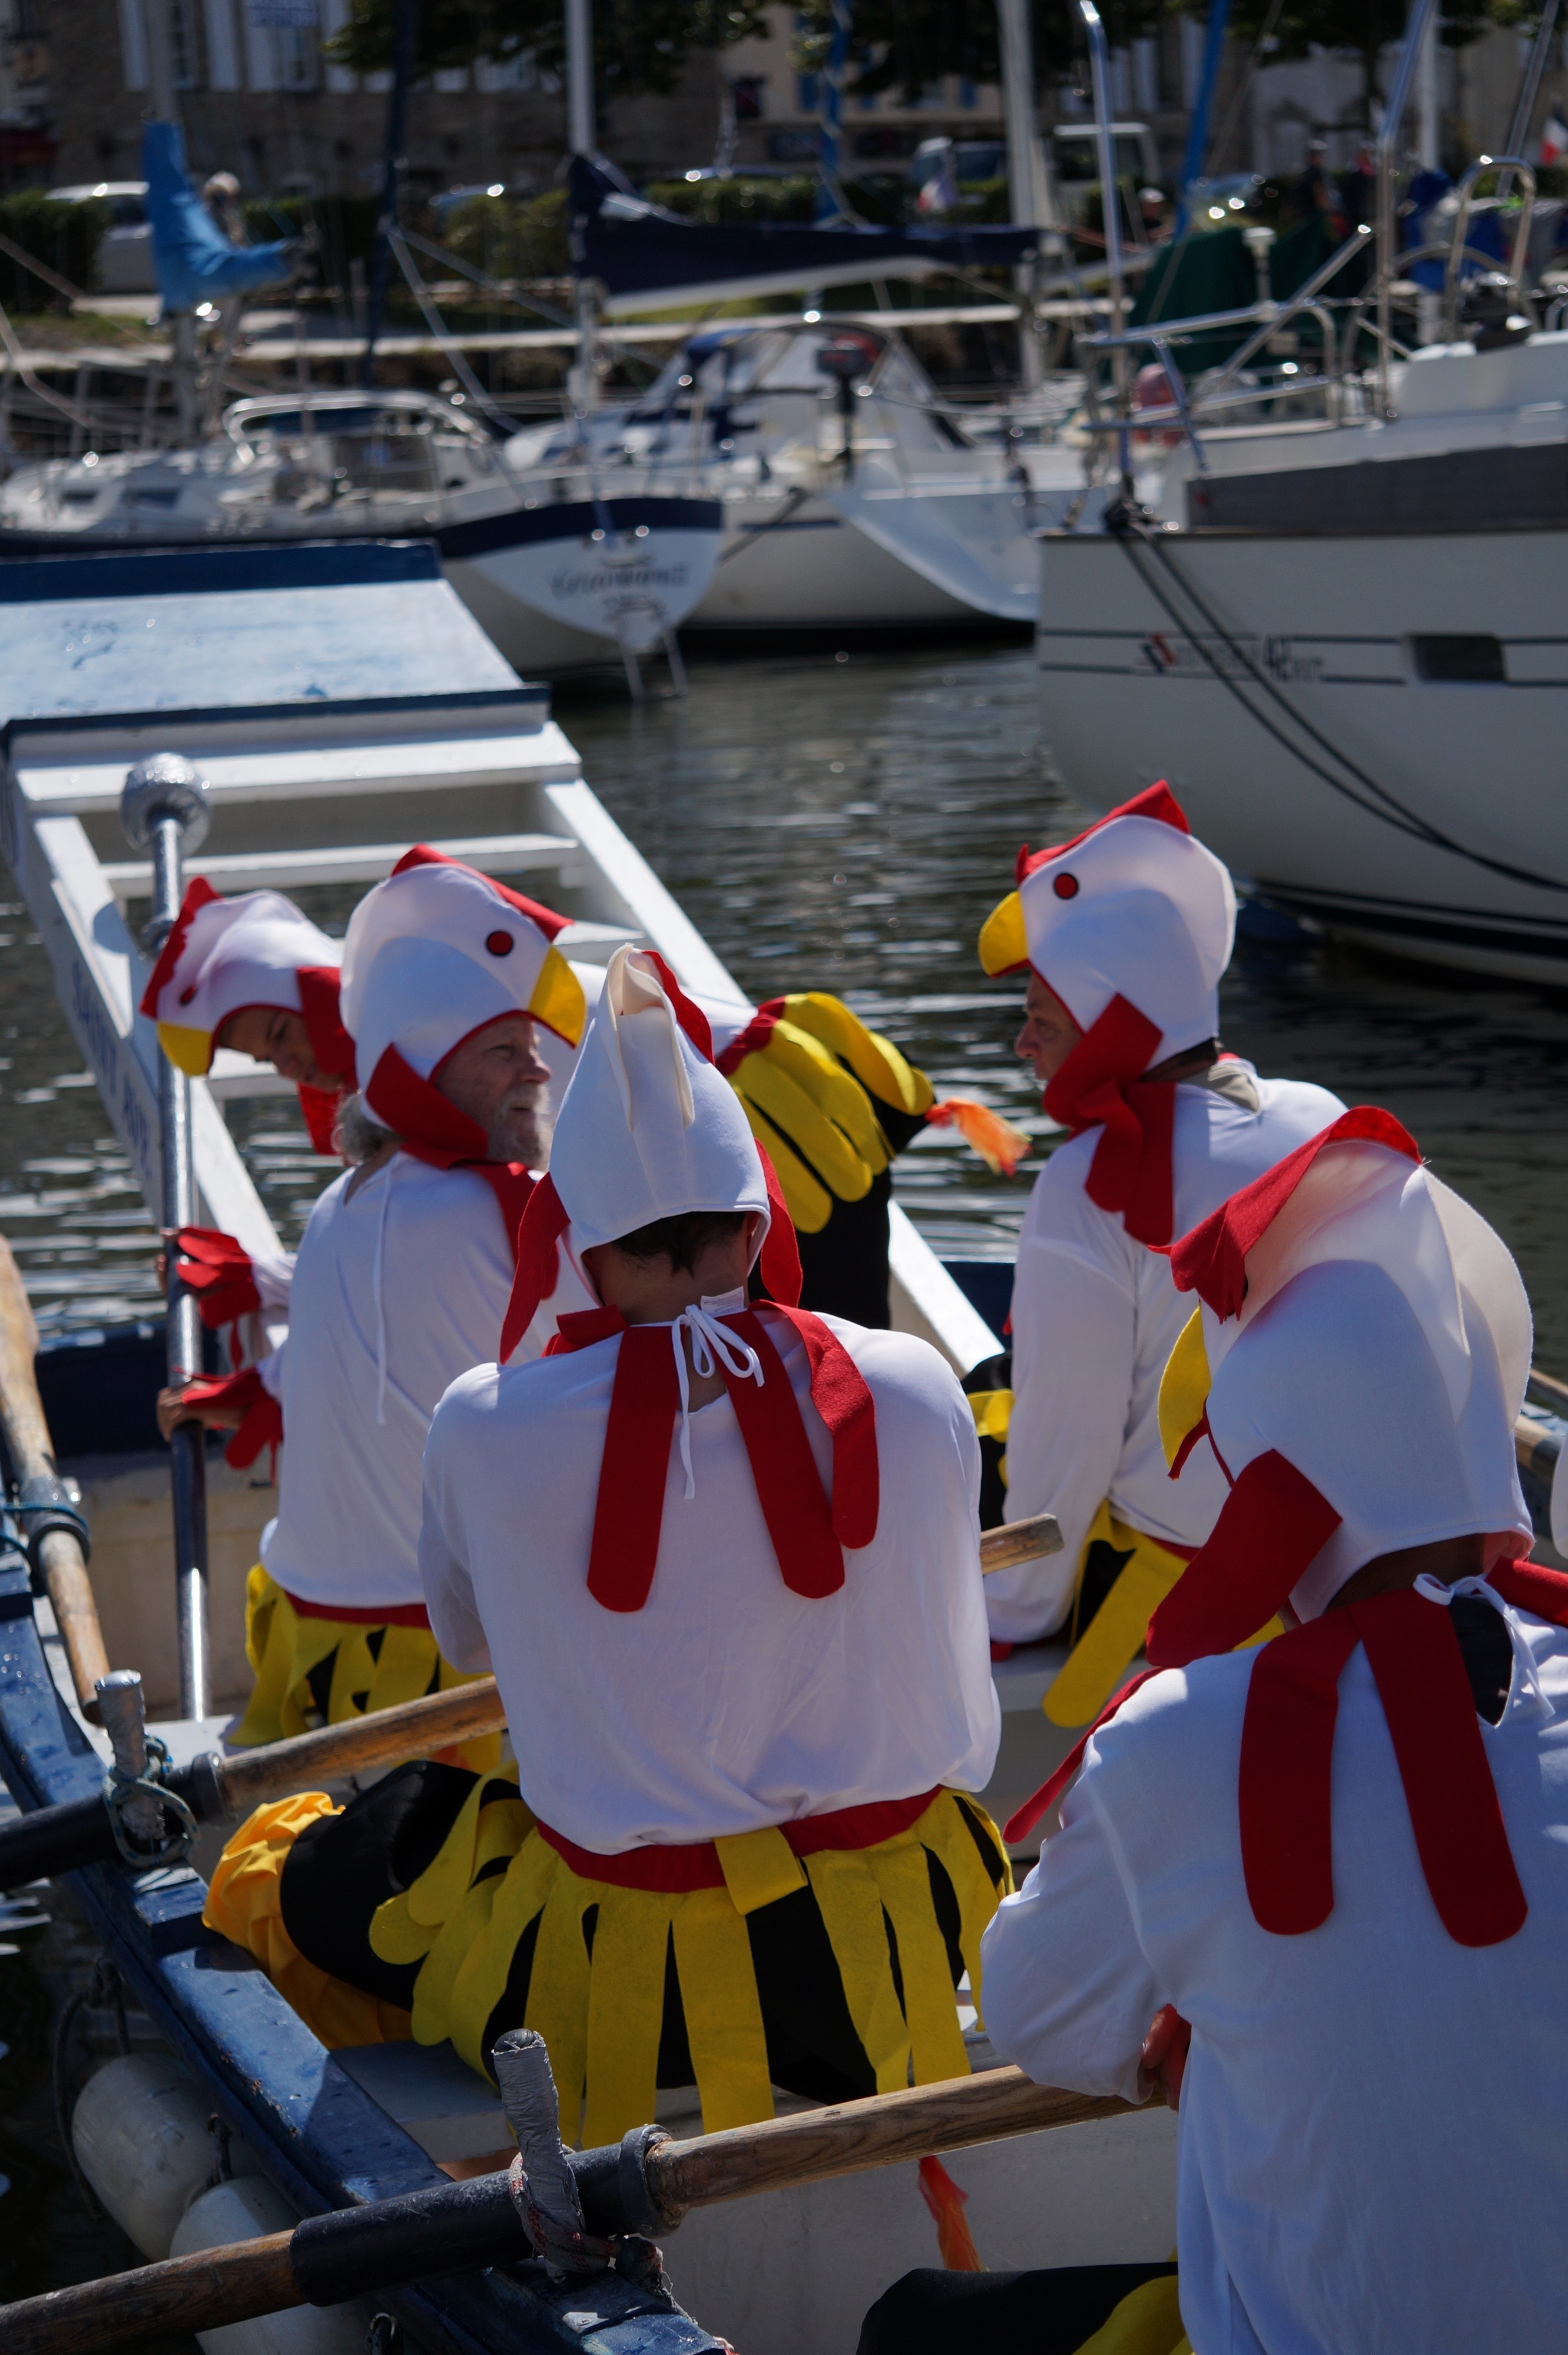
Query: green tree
(909, 45)
(638, 45)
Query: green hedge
(344, 227)
(508, 240)
(64, 237)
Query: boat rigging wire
(1128, 529)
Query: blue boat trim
(321, 2141)
(576, 520)
(46, 580)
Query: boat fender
(140, 2132)
(245, 2210)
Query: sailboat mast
(1027, 196)
(405, 25)
(582, 134)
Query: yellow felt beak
(1003, 945)
(1184, 1387)
(188, 1050)
(558, 1001)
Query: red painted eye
(498, 943)
(1066, 887)
(186, 995)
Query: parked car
(125, 256)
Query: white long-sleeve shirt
(727, 1703)
(397, 1289)
(1372, 2157)
(1095, 1316)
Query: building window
(184, 56)
(968, 95)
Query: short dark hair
(683, 1239)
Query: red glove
(1163, 2060)
(262, 1418)
(218, 1270)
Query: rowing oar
(54, 1528)
(221, 1790)
(577, 2205)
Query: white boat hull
(1332, 623)
(550, 599)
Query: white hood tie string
(1527, 1676)
(376, 1286)
(712, 1344)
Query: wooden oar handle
(1018, 1542)
(410, 1730)
(817, 2145)
(32, 1453)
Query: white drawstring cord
(1531, 1694)
(381, 1302)
(712, 1344)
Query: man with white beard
(402, 1280)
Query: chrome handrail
(1462, 222)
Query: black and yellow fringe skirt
(316, 1666)
(822, 1958)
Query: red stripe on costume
(1287, 1769)
(789, 1487)
(753, 1038)
(1099, 1086)
(198, 894)
(1531, 1586)
(1155, 800)
(1212, 1259)
(675, 1868)
(320, 1113)
(629, 1513)
(842, 1398)
(320, 1002)
(418, 1113)
(217, 1271)
(539, 1261)
(421, 855)
(1287, 1748)
(385, 1614)
(1272, 1524)
(778, 1263)
(689, 1016)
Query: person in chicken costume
(1123, 933)
(1331, 1871)
(256, 976)
(723, 1559)
(403, 1274)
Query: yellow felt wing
(808, 1202)
(765, 1083)
(875, 1060)
(1183, 1386)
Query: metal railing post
(163, 808)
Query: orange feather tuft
(999, 1145)
(955, 2242)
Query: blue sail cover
(196, 263)
(636, 250)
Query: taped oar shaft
(817, 2145)
(182, 2294)
(459, 2226)
(31, 1452)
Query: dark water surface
(848, 824)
